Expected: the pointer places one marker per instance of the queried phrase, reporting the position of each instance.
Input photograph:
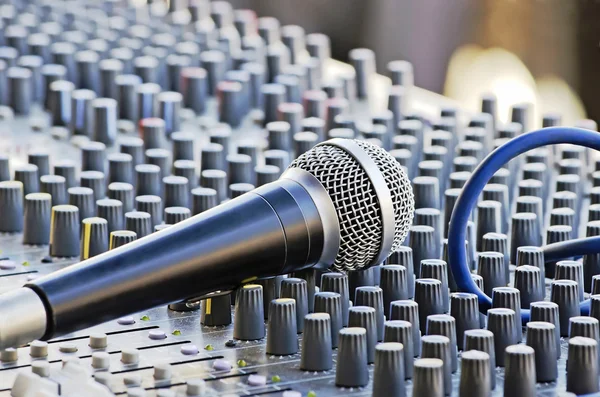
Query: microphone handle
(272, 230)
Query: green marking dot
(145, 318)
(275, 378)
(241, 363)
(311, 394)
(176, 332)
(26, 263)
(209, 347)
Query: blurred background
(541, 51)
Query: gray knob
(56, 187)
(83, 198)
(372, 297)
(121, 237)
(422, 241)
(11, 200)
(338, 283)
(398, 331)
(105, 120)
(122, 192)
(565, 293)
(94, 239)
(151, 205)
(365, 317)
(134, 147)
(520, 371)
(541, 337)
(502, 322)
(186, 169)
(138, 222)
(483, 340)
(41, 159)
(509, 298)
(428, 379)
(464, 307)
(394, 285)
(571, 270)
(112, 211)
(533, 256)
(161, 158)
(475, 374)
(66, 169)
(183, 145)
(59, 102)
(524, 232)
(408, 310)
(297, 289)
(544, 311)
(428, 294)
(445, 325)
(266, 174)
(404, 256)
(212, 157)
(282, 338)
(153, 132)
(148, 180)
(64, 231)
(352, 369)
(175, 215)
(203, 199)
(120, 168)
(388, 376)
(582, 373)
(438, 346)
(216, 311)
(109, 70)
(95, 181)
(194, 89)
(249, 323)
(176, 190)
(437, 269)
(527, 281)
(36, 230)
(28, 175)
(491, 267)
(82, 113)
(127, 85)
(169, 107)
(93, 156)
(216, 180)
(20, 85)
(330, 303)
(4, 168)
(359, 278)
(316, 351)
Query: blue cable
(468, 199)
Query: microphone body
(272, 230)
(344, 205)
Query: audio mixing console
(125, 119)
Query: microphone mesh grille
(354, 197)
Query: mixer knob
(64, 231)
(121, 237)
(56, 187)
(11, 201)
(94, 239)
(216, 311)
(28, 175)
(352, 369)
(282, 338)
(36, 229)
(139, 222)
(112, 211)
(249, 313)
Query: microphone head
(366, 184)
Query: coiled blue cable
(467, 200)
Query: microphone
(345, 205)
